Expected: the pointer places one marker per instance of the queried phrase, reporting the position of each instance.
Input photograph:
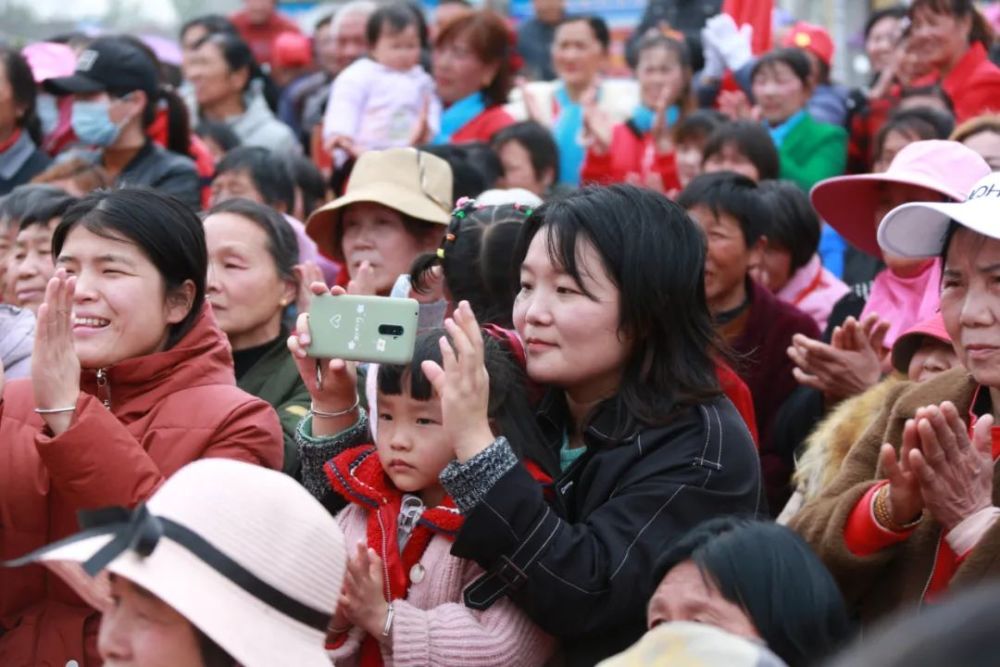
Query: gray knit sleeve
(468, 483)
(315, 451)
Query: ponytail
(178, 120)
(981, 31)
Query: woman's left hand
(463, 384)
(55, 368)
(362, 600)
(955, 474)
(661, 133)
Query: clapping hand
(463, 384)
(849, 365)
(55, 368)
(362, 600)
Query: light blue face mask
(93, 125)
(47, 109)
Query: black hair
(896, 12)
(773, 575)
(45, 208)
(324, 21)
(598, 26)
(730, 193)
(282, 244)
(237, 54)
(792, 223)
(476, 259)
(469, 179)
(23, 90)
(219, 132)
(15, 205)
(392, 18)
(933, 90)
(267, 171)
(917, 123)
(534, 138)
(210, 22)
(308, 180)
(178, 119)
(509, 409)
(484, 158)
(794, 57)
(654, 253)
(751, 140)
(165, 229)
(698, 126)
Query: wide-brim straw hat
(413, 182)
(245, 554)
(848, 203)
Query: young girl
(402, 600)
(387, 99)
(641, 150)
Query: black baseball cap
(111, 64)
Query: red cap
(811, 37)
(291, 50)
(909, 342)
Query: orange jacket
(166, 410)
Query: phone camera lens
(390, 330)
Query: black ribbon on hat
(140, 531)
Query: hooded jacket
(17, 339)
(136, 423)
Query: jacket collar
(554, 418)
(964, 68)
(202, 357)
(12, 159)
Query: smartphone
(363, 328)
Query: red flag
(758, 14)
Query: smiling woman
(131, 379)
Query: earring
(283, 302)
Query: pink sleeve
(453, 634)
(347, 102)
(863, 535)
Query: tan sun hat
(413, 182)
(244, 553)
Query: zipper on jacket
(103, 388)
(385, 556)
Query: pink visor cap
(49, 60)
(907, 344)
(848, 203)
(919, 229)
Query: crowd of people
(705, 363)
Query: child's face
(688, 156)
(728, 259)
(412, 444)
(932, 358)
(399, 50)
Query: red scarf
(357, 475)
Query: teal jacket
(813, 151)
(275, 379)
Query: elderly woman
(472, 75)
(913, 512)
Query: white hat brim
(251, 631)
(919, 229)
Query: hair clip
(440, 253)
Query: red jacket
(630, 153)
(973, 85)
(167, 409)
(484, 126)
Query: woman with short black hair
(131, 379)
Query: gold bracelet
(883, 513)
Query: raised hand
(363, 282)
(849, 365)
(55, 368)
(332, 383)
(306, 273)
(422, 129)
(661, 134)
(463, 384)
(597, 128)
(955, 473)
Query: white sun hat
(244, 553)
(919, 229)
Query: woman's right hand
(339, 388)
(597, 127)
(905, 499)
